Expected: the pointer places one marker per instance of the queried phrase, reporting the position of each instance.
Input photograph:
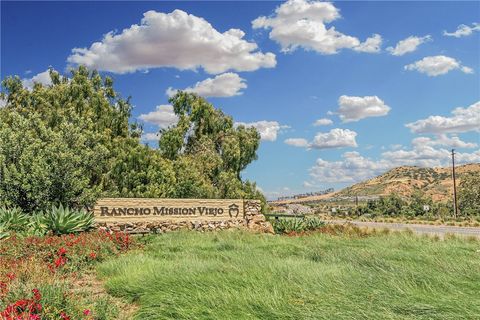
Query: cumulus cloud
(176, 39)
(297, 142)
(371, 45)
(150, 136)
(42, 77)
(443, 140)
(302, 23)
(437, 65)
(463, 30)
(323, 122)
(335, 138)
(163, 116)
(426, 155)
(462, 120)
(357, 108)
(352, 168)
(407, 45)
(224, 85)
(268, 129)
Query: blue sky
(399, 81)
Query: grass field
(238, 275)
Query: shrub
(313, 223)
(289, 225)
(62, 220)
(13, 220)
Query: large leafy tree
(71, 142)
(208, 150)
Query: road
(417, 228)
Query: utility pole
(455, 207)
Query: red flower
(62, 251)
(86, 312)
(64, 316)
(36, 294)
(92, 255)
(11, 276)
(60, 261)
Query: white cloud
(297, 142)
(357, 108)
(224, 85)
(150, 136)
(443, 140)
(3, 102)
(42, 78)
(163, 116)
(467, 70)
(462, 120)
(371, 45)
(301, 23)
(407, 45)
(425, 155)
(323, 122)
(437, 65)
(335, 138)
(352, 168)
(463, 30)
(176, 39)
(268, 129)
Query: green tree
(469, 194)
(208, 150)
(71, 142)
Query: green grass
(238, 275)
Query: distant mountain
(436, 183)
(404, 181)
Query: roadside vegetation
(40, 276)
(65, 145)
(72, 142)
(416, 209)
(339, 274)
(296, 225)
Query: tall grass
(237, 275)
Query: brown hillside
(404, 181)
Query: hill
(404, 181)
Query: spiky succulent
(14, 219)
(63, 220)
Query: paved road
(417, 228)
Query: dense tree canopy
(469, 194)
(71, 142)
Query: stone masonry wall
(253, 220)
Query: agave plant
(288, 225)
(3, 232)
(63, 220)
(38, 225)
(313, 223)
(13, 220)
